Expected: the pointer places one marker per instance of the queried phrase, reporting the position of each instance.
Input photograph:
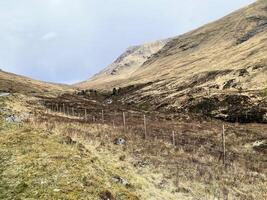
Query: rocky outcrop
(230, 107)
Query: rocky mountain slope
(122, 68)
(227, 54)
(10, 82)
(208, 70)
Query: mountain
(10, 82)
(207, 70)
(228, 53)
(124, 66)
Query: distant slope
(130, 61)
(219, 70)
(230, 53)
(10, 82)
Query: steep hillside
(130, 61)
(228, 54)
(10, 82)
(209, 70)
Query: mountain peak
(126, 64)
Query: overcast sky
(70, 40)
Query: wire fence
(149, 127)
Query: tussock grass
(40, 166)
(157, 170)
(51, 158)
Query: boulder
(120, 141)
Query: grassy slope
(10, 82)
(37, 161)
(186, 61)
(38, 166)
(214, 47)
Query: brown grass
(193, 168)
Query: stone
(260, 145)
(109, 101)
(120, 180)
(120, 141)
(4, 94)
(13, 119)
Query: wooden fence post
(103, 116)
(145, 128)
(85, 114)
(173, 138)
(124, 121)
(68, 112)
(223, 144)
(64, 109)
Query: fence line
(99, 116)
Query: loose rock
(13, 119)
(120, 180)
(260, 145)
(120, 141)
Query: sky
(68, 41)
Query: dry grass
(37, 165)
(38, 150)
(14, 83)
(157, 169)
(204, 59)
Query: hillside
(124, 66)
(10, 82)
(227, 54)
(219, 70)
(178, 119)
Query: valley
(171, 156)
(179, 118)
